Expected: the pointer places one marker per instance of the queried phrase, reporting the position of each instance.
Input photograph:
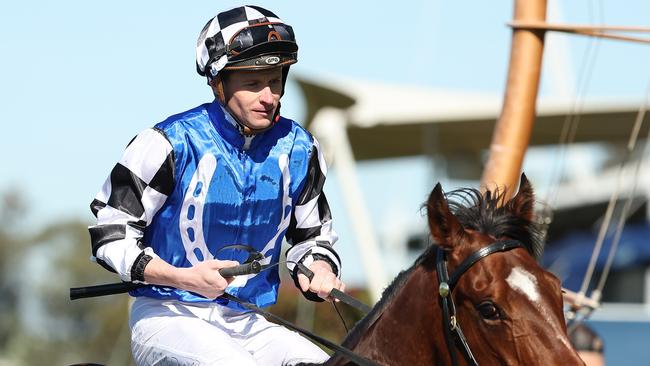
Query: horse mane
(490, 214)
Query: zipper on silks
(246, 170)
(247, 142)
(245, 193)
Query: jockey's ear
(523, 203)
(443, 224)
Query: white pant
(176, 333)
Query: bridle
(453, 333)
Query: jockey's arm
(311, 236)
(123, 209)
(127, 202)
(203, 278)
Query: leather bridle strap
(499, 246)
(452, 330)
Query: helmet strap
(221, 96)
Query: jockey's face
(253, 96)
(592, 358)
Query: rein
(345, 352)
(453, 334)
(335, 293)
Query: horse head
(509, 308)
(479, 290)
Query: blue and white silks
(226, 189)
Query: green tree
(39, 324)
(12, 207)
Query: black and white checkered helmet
(246, 37)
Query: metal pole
(513, 129)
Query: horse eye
(489, 311)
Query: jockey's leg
(272, 344)
(171, 333)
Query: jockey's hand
(204, 278)
(323, 282)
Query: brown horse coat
(510, 309)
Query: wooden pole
(513, 129)
(574, 28)
(600, 31)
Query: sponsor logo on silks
(272, 60)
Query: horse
(510, 308)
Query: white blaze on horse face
(524, 282)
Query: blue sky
(79, 79)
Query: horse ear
(442, 223)
(523, 203)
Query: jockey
(228, 172)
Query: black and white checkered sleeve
(135, 190)
(310, 232)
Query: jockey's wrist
(317, 257)
(182, 278)
(159, 272)
(137, 271)
(319, 263)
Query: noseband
(453, 333)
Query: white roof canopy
(386, 120)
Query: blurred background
(402, 94)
